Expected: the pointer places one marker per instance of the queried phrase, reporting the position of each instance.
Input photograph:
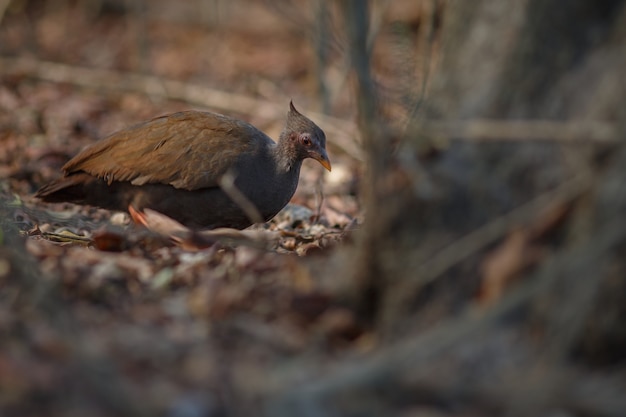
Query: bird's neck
(285, 156)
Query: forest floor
(168, 327)
(101, 317)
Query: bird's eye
(305, 140)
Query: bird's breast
(267, 188)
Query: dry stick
(319, 197)
(227, 184)
(343, 133)
(376, 372)
(320, 45)
(262, 239)
(4, 4)
(166, 226)
(62, 218)
(426, 65)
(435, 265)
(429, 267)
(514, 130)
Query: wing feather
(189, 150)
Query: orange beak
(322, 158)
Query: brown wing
(188, 150)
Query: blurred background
(465, 257)
(267, 50)
(76, 71)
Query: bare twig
(4, 4)
(319, 197)
(518, 130)
(429, 44)
(467, 245)
(432, 266)
(227, 183)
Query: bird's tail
(67, 189)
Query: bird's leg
(137, 216)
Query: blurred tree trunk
(434, 210)
(367, 266)
(506, 60)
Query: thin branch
(431, 266)
(4, 5)
(227, 184)
(480, 130)
(426, 67)
(435, 265)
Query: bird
(200, 168)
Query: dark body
(173, 164)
